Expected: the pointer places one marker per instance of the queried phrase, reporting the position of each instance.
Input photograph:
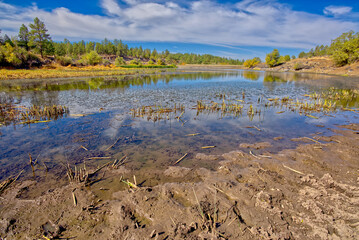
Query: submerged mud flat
(214, 155)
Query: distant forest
(33, 41)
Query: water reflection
(152, 144)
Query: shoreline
(98, 71)
(63, 73)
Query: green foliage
(160, 62)
(293, 57)
(119, 61)
(316, 52)
(298, 66)
(49, 48)
(60, 49)
(134, 62)
(91, 58)
(64, 61)
(24, 37)
(250, 63)
(302, 55)
(38, 40)
(8, 40)
(345, 48)
(38, 35)
(272, 59)
(1, 39)
(148, 66)
(15, 56)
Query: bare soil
(316, 65)
(311, 192)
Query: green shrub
(272, 59)
(119, 61)
(64, 61)
(298, 66)
(250, 63)
(134, 62)
(91, 58)
(160, 62)
(345, 48)
(13, 55)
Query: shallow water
(100, 118)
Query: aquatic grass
(10, 113)
(158, 112)
(82, 175)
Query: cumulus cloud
(246, 23)
(337, 10)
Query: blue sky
(236, 29)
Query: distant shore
(321, 65)
(67, 72)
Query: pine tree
(38, 35)
(24, 37)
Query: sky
(239, 29)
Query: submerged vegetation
(325, 102)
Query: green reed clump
(225, 107)
(11, 113)
(157, 112)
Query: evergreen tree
(24, 37)
(273, 58)
(38, 35)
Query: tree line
(33, 41)
(343, 49)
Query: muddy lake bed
(168, 128)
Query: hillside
(315, 65)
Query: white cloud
(337, 10)
(246, 23)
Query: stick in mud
(32, 165)
(97, 158)
(5, 184)
(296, 171)
(181, 158)
(205, 147)
(257, 128)
(120, 162)
(74, 198)
(193, 134)
(83, 148)
(313, 140)
(118, 139)
(199, 205)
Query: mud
(311, 192)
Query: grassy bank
(66, 72)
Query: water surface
(100, 117)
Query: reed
(157, 112)
(13, 114)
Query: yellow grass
(55, 71)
